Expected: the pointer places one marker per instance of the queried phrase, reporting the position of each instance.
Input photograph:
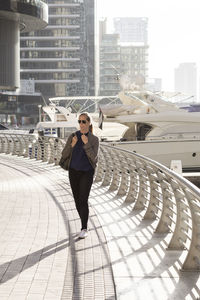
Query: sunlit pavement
(42, 258)
(143, 267)
(40, 254)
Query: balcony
(31, 15)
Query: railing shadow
(16, 266)
(59, 192)
(142, 264)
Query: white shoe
(83, 234)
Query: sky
(173, 31)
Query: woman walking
(80, 154)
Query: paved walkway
(41, 257)
(40, 254)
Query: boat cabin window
(61, 132)
(142, 131)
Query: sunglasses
(82, 121)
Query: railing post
(123, 186)
(192, 261)
(99, 174)
(55, 151)
(167, 205)
(133, 187)
(160, 192)
(115, 179)
(143, 195)
(108, 167)
(179, 237)
(155, 199)
(7, 144)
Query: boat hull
(188, 151)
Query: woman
(81, 154)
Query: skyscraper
(134, 66)
(132, 30)
(109, 65)
(123, 65)
(60, 58)
(186, 79)
(133, 39)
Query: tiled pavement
(41, 257)
(40, 254)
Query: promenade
(42, 258)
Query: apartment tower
(60, 58)
(186, 79)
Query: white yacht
(159, 130)
(143, 123)
(62, 122)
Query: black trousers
(81, 182)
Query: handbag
(64, 163)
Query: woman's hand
(74, 141)
(84, 138)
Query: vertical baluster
(123, 187)
(20, 146)
(179, 237)
(167, 205)
(115, 179)
(133, 187)
(10, 145)
(143, 195)
(108, 167)
(99, 174)
(192, 261)
(1, 143)
(155, 195)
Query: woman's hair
(89, 120)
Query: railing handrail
(152, 187)
(168, 171)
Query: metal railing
(152, 187)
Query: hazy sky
(173, 31)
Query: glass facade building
(132, 30)
(134, 66)
(109, 65)
(185, 79)
(61, 57)
(122, 65)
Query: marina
(59, 60)
(143, 123)
(134, 227)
